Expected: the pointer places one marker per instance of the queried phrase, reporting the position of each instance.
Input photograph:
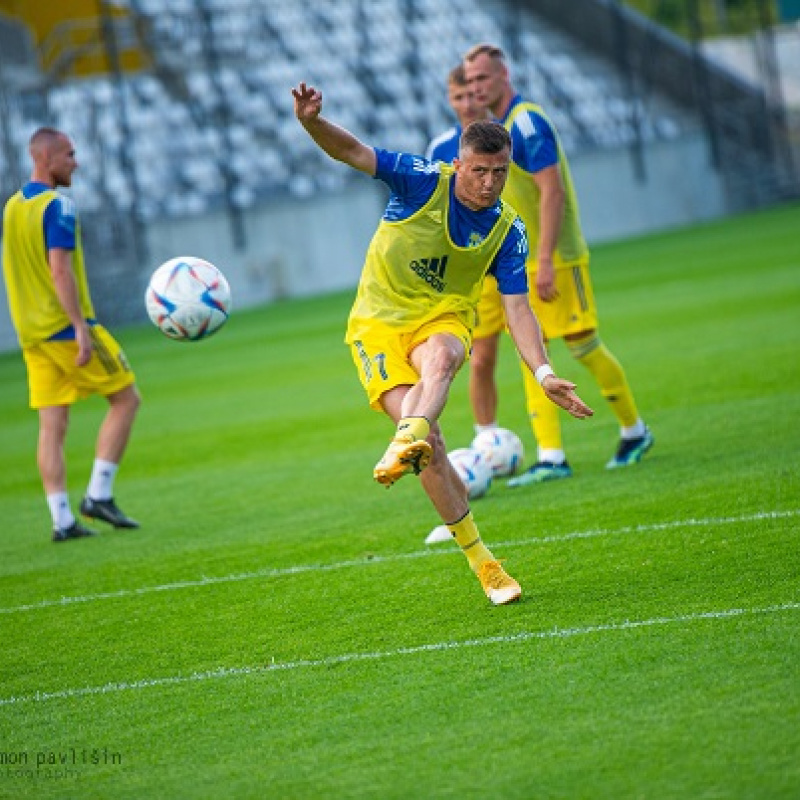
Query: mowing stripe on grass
(524, 636)
(360, 562)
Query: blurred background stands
(182, 107)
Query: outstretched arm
(527, 335)
(337, 142)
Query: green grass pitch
(277, 628)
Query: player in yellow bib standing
(68, 355)
(410, 325)
(539, 186)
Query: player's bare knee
(136, 398)
(444, 364)
(128, 399)
(482, 367)
(54, 422)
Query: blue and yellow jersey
(430, 253)
(535, 146)
(36, 220)
(445, 146)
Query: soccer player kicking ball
(409, 330)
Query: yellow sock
(418, 427)
(465, 532)
(610, 376)
(543, 414)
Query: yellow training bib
(32, 300)
(415, 273)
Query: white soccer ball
(473, 469)
(188, 299)
(503, 450)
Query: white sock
(60, 511)
(636, 431)
(552, 456)
(481, 428)
(101, 486)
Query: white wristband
(542, 372)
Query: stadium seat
(367, 59)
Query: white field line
(346, 658)
(362, 562)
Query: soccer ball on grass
(473, 469)
(503, 450)
(188, 299)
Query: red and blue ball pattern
(188, 299)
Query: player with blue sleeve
(540, 187)
(68, 355)
(410, 325)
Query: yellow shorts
(490, 318)
(574, 311)
(383, 355)
(55, 380)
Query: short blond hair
(490, 50)
(457, 76)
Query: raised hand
(307, 102)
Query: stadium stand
(216, 95)
(180, 109)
